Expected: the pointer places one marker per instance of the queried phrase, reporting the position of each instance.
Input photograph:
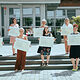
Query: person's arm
(25, 38)
(10, 26)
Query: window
(60, 13)
(14, 13)
(60, 22)
(27, 17)
(27, 11)
(27, 21)
(37, 11)
(71, 12)
(50, 18)
(37, 17)
(50, 13)
(37, 20)
(58, 17)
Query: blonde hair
(21, 29)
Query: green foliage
(76, 20)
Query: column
(0, 22)
(34, 16)
(21, 14)
(42, 12)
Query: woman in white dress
(67, 24)
(12, 38)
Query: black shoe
(42, 64)
(46, 64)
(13, 54)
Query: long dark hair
(45, 32)
(13, 20)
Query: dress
(21, 60)
(12, 38)
(44, 50)
(75, 51)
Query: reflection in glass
(27, 21)
(27, 11)
(37, 21)
(37, 17)
(50, 13)
(71, 12)
(27, 17)
(37, 10)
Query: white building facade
(29, 13)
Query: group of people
(21, 55)
(73, 51)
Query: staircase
(33, 63)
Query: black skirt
(44, 50)
(75, 52)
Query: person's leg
(18, 60)
(73, 62)
(23, 60)
(68, 49)
(77, 62)
(13, 50)
(65, 41)
(42, 57)
(48, 57)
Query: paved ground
(58, 49)
(40, 75)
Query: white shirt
(16, 25)
(69, 25)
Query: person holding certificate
(45, 50)
(12, 38)
(43, 24)
(1, 42)
(21, 55)
(75, 50)
(67, 24)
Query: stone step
(32, 57)
(38, 67)
(33, 62)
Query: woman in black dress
(45, 50)
(74, 50)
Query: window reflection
(27, 17)
(37, 10)
(27, 11)
(37, 17)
